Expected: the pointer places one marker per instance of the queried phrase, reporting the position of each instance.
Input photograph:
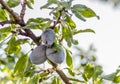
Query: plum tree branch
(19, 20)
(58, 19)
(7, 22)
(22, 13)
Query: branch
(58, 20)
(23, 9)
(61, 73)
(7, 22)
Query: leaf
(88, 13)
(70, 72)
(97, 71)
(75, 42)
(49, 2)
(70, 22)
(3, 15)
(67, 4)
(35, 79)
(67, 33)
(4, 32)
(13, 3)
(20, 65)
(56, 47)
(78, 15)
(88, 72)
(22, 41)
(13, 46)
(42, 75)
(109, 77)
(59, 81)
(38, 23)
(29, 4)
(69, 61)
(54, 81)
(83, 10)
(32, 1)
(117, 79)
(84, 31)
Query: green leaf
(78, 15)
(69, 61)
(109, 77)
(10, 58)
(97, 71)
(4, 32)
(49, 2)
(88, 13)
(29, 4)
(70, 22)
(67, 4)
(20, 65)
(42, 75)
(35, 79)
(54, 81)
(13, 3)
(22, 41)
(38, 23)
(3, 15)
(88, 72)
(13, 46)
(67, 33)
(84, 31)
(59, 81)
(32, 1)
(83, 10)
(117, 79)
(70, 72)
(75, 42)
(56, 47)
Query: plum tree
(16, 31)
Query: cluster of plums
(46, 52)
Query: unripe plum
(55, 56)
(38, 55)
(48, 37)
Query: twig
(7, 22)
(23, 9)
(58, 20)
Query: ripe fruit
(48, 37)
(38, 55)
(55, 56)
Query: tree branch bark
(7, 22)
(22, 13)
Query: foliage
(15, 64)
